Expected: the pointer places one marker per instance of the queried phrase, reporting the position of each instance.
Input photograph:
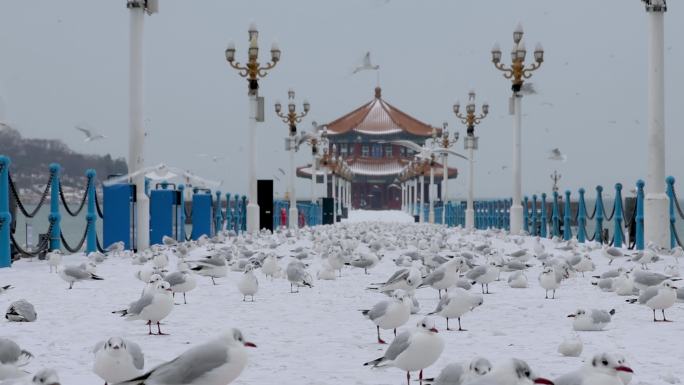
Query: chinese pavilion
(362, 138)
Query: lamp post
(656, 205)
(471, 119)
(136, 131)
(431, 192)
(292, 118)
(252, 71)
(446, 142)
(518, 71)
(555, 177)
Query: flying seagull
(366, 64)
(281, 170)
(90, 134)
(556, 154)
(214, 158)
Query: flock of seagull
(457, 265)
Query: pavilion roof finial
(378, 92)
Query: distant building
(362, 138)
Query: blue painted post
(244, 213)
(5, 215)
(534, 215)
(91, 216)
(581, 218)
(555, 223)
(640, 215)
(617, 222)
(55, 217)
(181, 221)
(526, 214)
(598, 232)
(218, 216)
(237, 214)
(491, 214)
(670, 193)
(567, 218)
(544, 219)
(502, 214)
(228, 211)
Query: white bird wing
(408, 144)
(367, 60)
(88, 133)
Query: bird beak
(676, 288)
(434, 330)
(541, 380)
(624, 369)
(571, 316)
(250, 345)
(115, 348)
(169, 290)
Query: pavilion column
(422, 199)
(414, 182)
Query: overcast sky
(66, 62)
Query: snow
(319, 336)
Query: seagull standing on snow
(390, 314)
(413, 350)
(298, 276)
(73, 274)
(181, 281)
(216, 362)
(213, 266)
(550, 279)
(248, 283)
(457, 303)
(117, 360)
(659, 297)
(153, 306)
(444, 277)
(484, 275)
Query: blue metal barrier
(201, 214)
(162, 204)
(116, 225)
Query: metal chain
(676, 235)
(32, 214)
(609, 218)
(80, 243)
(44, 245)
(593, 214)
(185, 210)
(98, 245)
(98, 207)
(80, 206)
(676, 201)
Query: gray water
(73, 228)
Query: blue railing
(310, 214)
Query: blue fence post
(598, 232)
(617, 222)
(581, 218)
(544, 220)
(640, 215)
(555, 222)
(55, 217)
(670, 193)
(237, 214)
(244, 213)
(534, 215)
(218, 216)
(567, 217)
(91, 216)
(526, 215)
(5, 215)
(228, 211)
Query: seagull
(594, 320)
(4, 288)
(413, 350)
(21, 311)
(571, 347)
(364, 261)
(181, 281)
(54, 258)
(659, 297)
(457, 373)
(366, 64)
(248, 283)
(603, 369)
(213, 266)
(42, 377)
(217, 362)
(12, 354)
(281, 170)
(73, 274)
(298, 276)
(390, 314)
(214, 158)
(484, 275)
(556, 154)
(153, 306)
(550, 279)
(457, 303)
(513, 372)
(445, 276)
(645, 279)
(517, 280)
(117, 360)
(90, 134)
(611, 253)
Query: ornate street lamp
(518, 71)
(252, 71)
(446, 142)
(292, 118)
(471, 119)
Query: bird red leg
(380, 341)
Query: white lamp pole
(431, 192)
(517, 72)
(414, 184)
(470, 119)
(252, 71)
(445, 180)
(291, 118)
(656, 204)
(136, 136)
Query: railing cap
(90, 173)
(567, 193)
(54, 168)
(5, 160)
(670, 179)
(640, 183)
(618, 186)
(599, 188)
(582, 191)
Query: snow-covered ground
(318, 336)
(379, 216)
